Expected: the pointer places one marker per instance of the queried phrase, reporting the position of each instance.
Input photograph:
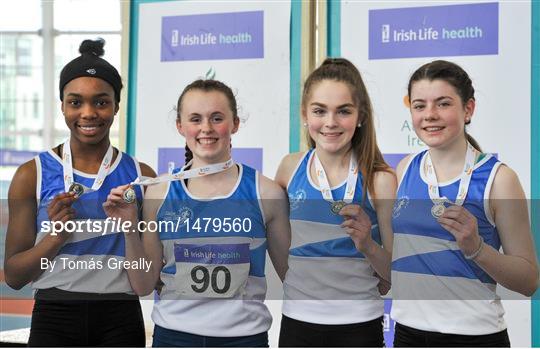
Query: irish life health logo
(433, 31)
(236, 35)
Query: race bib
(211, 270)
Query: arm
(278, 229)
(517, 268)
(400, 168)
(358, 225)
(147, 171)
(22, 263)
(286, 169)
(140, 244)
(279, 244)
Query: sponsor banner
(171, 158)
(433, 31)
(217, 36)
(212, 253)
(388, 324)
(394, 159)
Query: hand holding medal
(120, 201)
(358, 225)
(456, 219)
(117, 206)
(60, 210)
(464, 227)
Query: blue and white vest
(214, 272)
(328, 281)
(434, 287)
(90, 259)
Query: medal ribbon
(464, 181)
(68, 168)
(183, 174)
(352, 177)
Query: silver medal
(76, 188)
(433, 185)
(337, 206)
(437, 210)
(129, 195)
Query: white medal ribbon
(465, 179)
(352, 177)
(68, 169)
(183, 174)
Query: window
(37, 38)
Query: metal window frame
(48, 34)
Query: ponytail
(188, 155)
(473, 141)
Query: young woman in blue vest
(225, 217)
(82, 298)
(341, 196)
(456, 207)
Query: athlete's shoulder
(293, 158)
(23, 184)
(287, 166)
(147, 170)
(157, 191)
(506, 184)
(385, 179)
(270, 189)
(404, 164)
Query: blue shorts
(164, 337)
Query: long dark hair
(452, 74)
(207, 86)
(364, 140)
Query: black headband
(90, 64)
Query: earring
(305, 124)
(359, 125)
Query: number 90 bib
(211, 270)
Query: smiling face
(331, 116)
(438, 113)
(207, 123)
(89, 108)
